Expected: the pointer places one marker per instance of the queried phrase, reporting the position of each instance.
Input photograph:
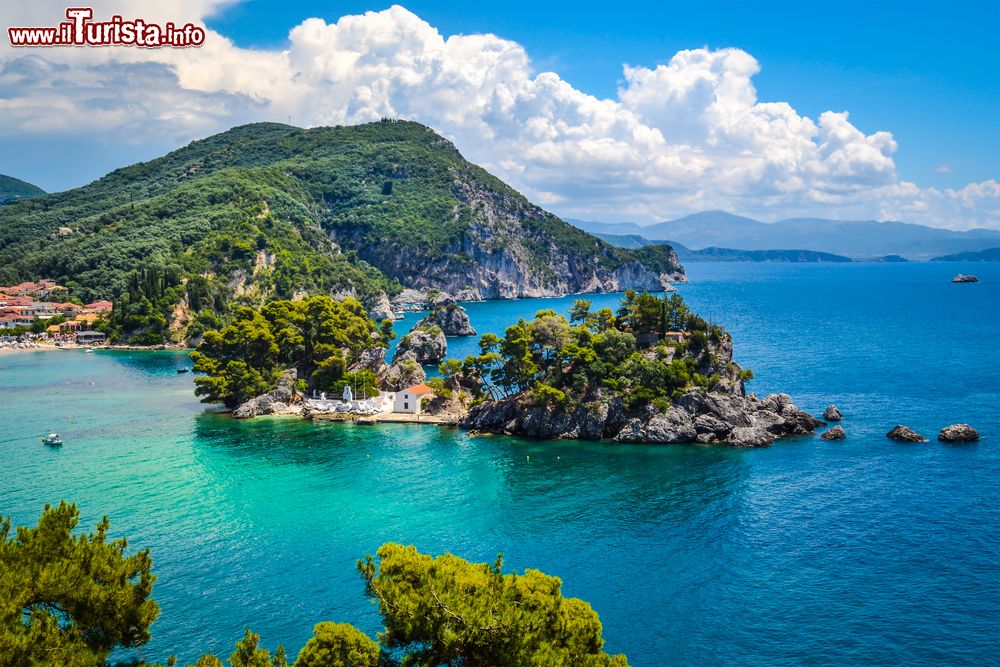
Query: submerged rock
(832, 414)
(902, 433)
(273, 402)
(835, 433)
(958, 433)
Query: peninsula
(651, 371)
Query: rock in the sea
(272, 402)
(695, 417)
(675, 426)
(958, 433)
(427, 343)
(835, 433)
(750, 436)
(724, 414)
(451, 319)
(832, 414)
(902, 433)
(379, 308)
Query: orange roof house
(409, 400)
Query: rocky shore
(696, 417)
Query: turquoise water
(861, 552)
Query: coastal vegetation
(73, 600)
(645, 352)
(271, 212)
(317, 338)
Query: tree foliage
(554, 360)
(339, 645)
(70, 600)
(319, 338)
(447, 611)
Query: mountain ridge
(858, 239)
(268, 211)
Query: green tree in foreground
(338, 645)
(447, 611)
(70, 600)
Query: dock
(385, 418)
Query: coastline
(43, 347)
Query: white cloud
(680, 137)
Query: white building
(408, 400)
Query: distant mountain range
(12, 189)
(857, 239)
(713, 254)
(988, 255)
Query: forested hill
(268, 210)
(12, 189)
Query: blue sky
(638, 111)
(927, 71)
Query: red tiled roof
(419, 389)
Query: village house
(409, 400)
(40, 289)
(12, 321)
(24, 304)
(99, 307)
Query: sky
(639, 111)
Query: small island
(650, 372)
(964, 279)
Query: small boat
(88, 349)
(183, 370)
(52, 439)
(964, 279)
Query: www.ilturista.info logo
(79, 30)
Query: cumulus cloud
(684, 136)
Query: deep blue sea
(862, 552)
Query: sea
(859, 552)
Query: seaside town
(36, 314)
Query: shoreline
(43, 347)
(382, 418)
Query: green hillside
(269, 211)
(12, 189)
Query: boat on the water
(964, 279)
(183, 370)
(52, 439)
